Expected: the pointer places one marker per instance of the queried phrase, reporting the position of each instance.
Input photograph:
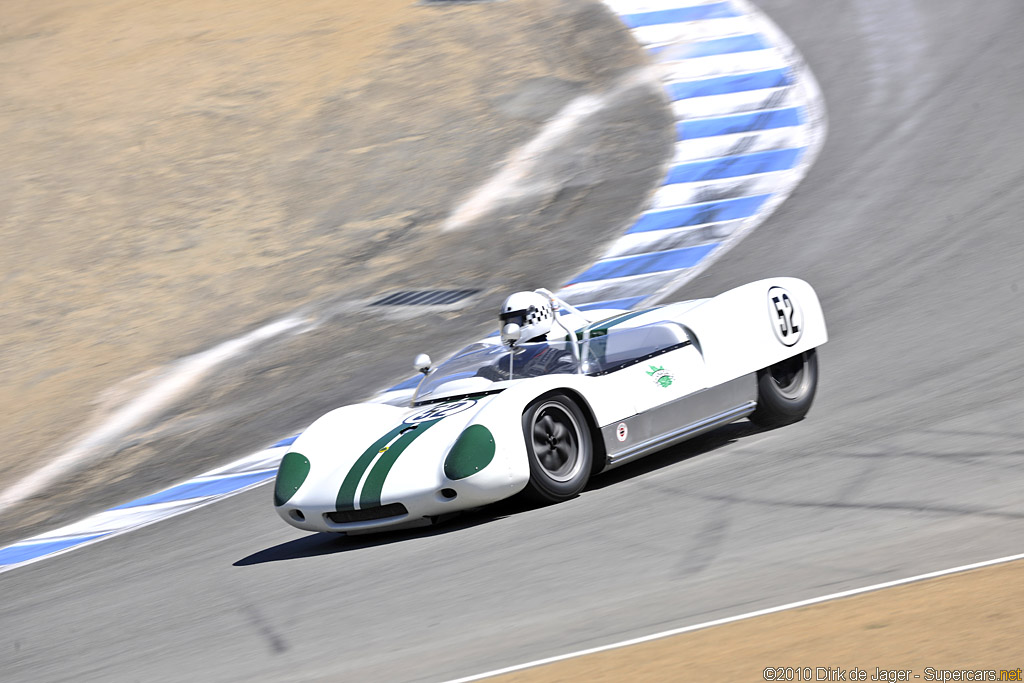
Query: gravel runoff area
(178, 174)
(934, 630)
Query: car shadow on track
(315, 545)
(673, 455)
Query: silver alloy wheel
(556, 441)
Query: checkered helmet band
(531, 311)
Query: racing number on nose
(784, 306)
(786, 315)
(440, 411)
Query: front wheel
(786, 390)
(559, 448)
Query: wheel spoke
(557, 443)
(551, 460)
(540, 435)
(560, 432)
(547, 424)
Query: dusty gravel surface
(178, 174)
(969, 621)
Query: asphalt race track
(910, 461)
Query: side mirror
(422, 363)
(510, 334)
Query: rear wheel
(559, 448)
(786, 390)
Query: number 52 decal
(440, 410)
(787, 321)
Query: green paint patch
(291, 473)
(382, 455)
(473, 451)
(662, 376)
(370, 495)
(347, 492)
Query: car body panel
(680, 419)
(655, 377)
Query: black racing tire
(559, 447)
(785, 391)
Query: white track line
(741, 617)
(734, 103)
(724, 65)
(740, 143)
(673, 238)
(688, 31)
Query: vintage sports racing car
(559, 396)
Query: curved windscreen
(479, 367)
(482, 367)
(621, 347)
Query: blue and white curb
(749, 123)
(207, 488)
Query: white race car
(559, 396)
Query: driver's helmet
(531, 311)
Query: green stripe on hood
(370, 495)
(400, 437)
(347, 492)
